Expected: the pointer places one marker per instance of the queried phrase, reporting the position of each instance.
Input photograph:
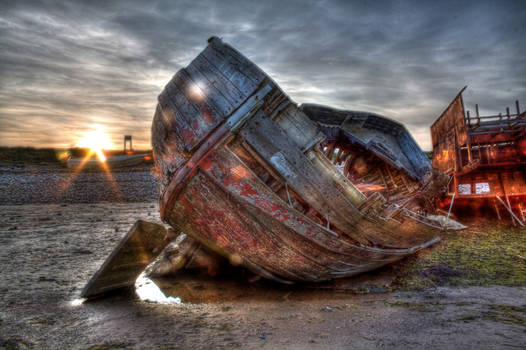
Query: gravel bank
(49, 184)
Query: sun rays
(96, 140)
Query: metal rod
(450, 207)
(511, 211)
(509, 205)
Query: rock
(440, 272)
(82, 251)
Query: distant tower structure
(128, 138)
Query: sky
(67, 67)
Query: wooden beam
(497, 209)
(450, 206)
(521, 212)
(141, 245)
(510, 211)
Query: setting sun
(96, 141)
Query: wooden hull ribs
(243, 171)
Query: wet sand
(49, 251)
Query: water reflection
(148, 291)
(195, 288)
(77, 302)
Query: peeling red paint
(208, 115)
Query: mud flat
(50, 250)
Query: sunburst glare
(97, 141)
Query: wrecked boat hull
(485, 158)
(241, 171)
(378, 154)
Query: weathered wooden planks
(386, 138)
(267, 242)
(141, 245)
(275, 147)
(256, 188)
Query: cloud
(65, 66)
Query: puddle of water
(235, 284)
(188, 287)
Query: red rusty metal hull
(250, 181)
(485, 159)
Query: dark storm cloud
(65, 66)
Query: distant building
(128, 138)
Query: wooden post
(508, 112)
(510, 211)
(505, 195)
(340, 150)
(497, 209)
(521, 212)
(391, 176)
(347, 166)
(330, 149)
(468, 145)
(128, 138)
(450, 207)
(383, 179)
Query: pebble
(58, 185)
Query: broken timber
(377, 154)
(141, 245)
(242, 171)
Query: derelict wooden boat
(241, 170)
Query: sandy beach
(51, 245)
